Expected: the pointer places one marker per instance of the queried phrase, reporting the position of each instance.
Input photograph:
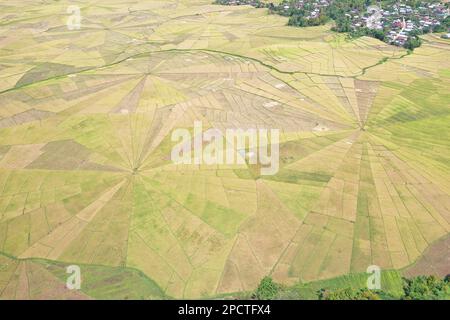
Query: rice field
(85, 173)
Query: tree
(378, 34)
(267, 289)
(343, 25)
(446, 22)
(297, 21)
(412, 43)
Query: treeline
(299, 20)
(419, 288)
(254, 3)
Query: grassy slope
(101, 282)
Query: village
(395, 22)
(400, 21)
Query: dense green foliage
(267, 289)
(445, 25)
(299, 20)
(426, 288)
(338, 10)
(378, 34)
(352, 288)
(412, 43)
(348, 294)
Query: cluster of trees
(443, 27)
(267, 290)
(419, 288)
(412, 43)
(301, 21)
(349, 294)
(378, 34)
(254, 3)
(427, 288)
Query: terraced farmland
(85, 174)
